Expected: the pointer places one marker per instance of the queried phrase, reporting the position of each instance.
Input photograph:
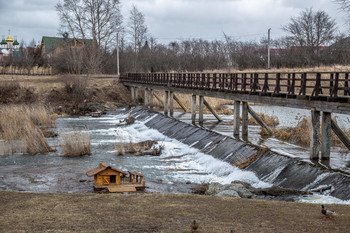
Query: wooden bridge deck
(326, 92)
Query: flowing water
(176, 171)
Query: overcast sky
(169, 20)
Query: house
(106, 175)
(51, 46)
(110, 179)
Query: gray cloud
(172, 19)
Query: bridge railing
(318, 85)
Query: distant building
(9, 46)
(51, 46)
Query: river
(176, 171)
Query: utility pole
(268, 48)
(118, 53)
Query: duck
(194, 226)
(327, 213)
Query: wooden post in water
(315, 134)
(146, 98)
(244, 118)
(193, 109)
(326, 135)
(236, 118)
(171, 103)
(341, 135)
(151, 98)
(258, 119)
(166, 97)
(180, 103)
(133, 94)
(136, 94)
(201, 109)
(211, 110)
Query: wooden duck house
(109, 178)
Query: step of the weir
(270, 167)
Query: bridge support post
(211, 110)
(136, 94)
(133, 94)
(151, 98)
(236, 118)
(166, 97)
(315, 134)
(193, 109)
(201, 109)
(326, 135)
(146, 98)
(171, 103)
(244, 118)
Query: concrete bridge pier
(236, 118)
(151, 98)
(166, 102)
(193, 109)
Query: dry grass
(333, 68)
(245, 162)
(300, 134)
(271, 121)
(18, 131)
(75, 144)
(30, 212)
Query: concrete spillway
(270, 167)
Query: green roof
(3, 41)
(52, 43)
(15, 42)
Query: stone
(214, 188)
(240, 189)
(228, 193)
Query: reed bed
(75, 144)
(300, 134)
(19, 133)
(271, 121)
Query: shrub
(75, 144)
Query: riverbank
(31, 212)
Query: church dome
(9, 39)
(3, 42)
(15, 42)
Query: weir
(268, 166)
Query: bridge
(320, 92)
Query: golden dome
(9, 39)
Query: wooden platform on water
(127, 187)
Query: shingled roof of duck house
(106, 175)
(103, 166)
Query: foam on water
(188, 163)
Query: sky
(170, 20)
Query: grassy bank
(28, 212)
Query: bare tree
(311, 29)
(98, 19)
(137, 30)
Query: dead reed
(272, 121)
(300, 134)
(139, 148)
(19, 133)
(75, 144)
